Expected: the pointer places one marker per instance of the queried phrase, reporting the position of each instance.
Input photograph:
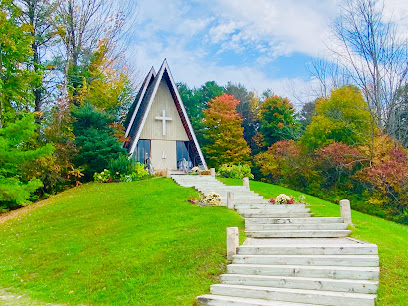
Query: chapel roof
(143, 101)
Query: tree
(385, 178)
(224, 133)
(343, 117)
(285, 163)
(15, 49)
(39, 15)
(278, 120)
(328, 74)
(248, 109)
(104, 86)
(373, 53)
(306, 114)
(16, 153)
(398, 125)
(196, 101)
(337, 162)
(94, 140)
(82, 25)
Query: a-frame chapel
(158, 128)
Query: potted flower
(195, 170)
(213, 199)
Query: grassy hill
(135, 243)
(143, 243)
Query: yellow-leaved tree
(342, 117)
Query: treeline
(64, 89)
(333, 148)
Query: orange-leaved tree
(224, 133)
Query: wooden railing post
(345, 211)
(245, 182)
(230, 200)
(212, 171)
(232, 241)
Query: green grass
(391, 238)
(137, 243)
(143, 243)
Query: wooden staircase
(290, 257)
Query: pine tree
(16, 153)
(95, 141)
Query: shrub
(103, 177)
(235, 171)
(121, 166)
(137, 172)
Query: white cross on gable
(163, 118)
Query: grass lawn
(391, 238)
(137, 243)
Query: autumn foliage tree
(286, 164)
(342, 117)
(224, 133)
(385, 179)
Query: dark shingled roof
(134, 104)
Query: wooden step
(298, 233)
(325, 284)
(269, 211)
(283, 220)
(274, 215)
(333, 272)
(268, 205)
(223, 300)
(295, 295)
(312, 260)
(307, 226)
(298, 249)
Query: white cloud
(187, 36)
(221, 32)
(193, 69)
(298, 26)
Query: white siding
(153, 128)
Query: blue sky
(259, 43)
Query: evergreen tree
(16, 153)
(278, 119)
(224, 133)
(95, 141)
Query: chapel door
(164, 155)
